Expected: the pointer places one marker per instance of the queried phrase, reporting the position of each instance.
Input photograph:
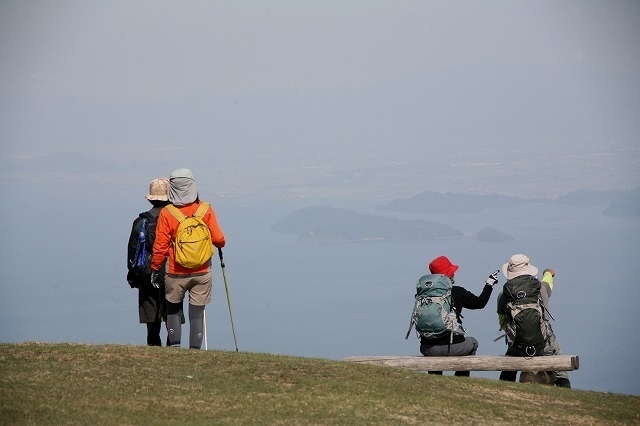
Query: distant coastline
(323, 224)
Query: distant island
(626, 207)
(619, 203)
(492, 235)
(590, 197)
(321, 224)
(447, 202)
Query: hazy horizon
(282, 99)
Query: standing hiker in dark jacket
(461, 298)
(151, 300)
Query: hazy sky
(259, 87)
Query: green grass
(113, 384)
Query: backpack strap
(176, 212)
(412, 321)
(545, 309)
(148, 216)
(202, 209)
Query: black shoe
(509, 376)
(563, 383)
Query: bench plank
(473, 363)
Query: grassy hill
(115, 384)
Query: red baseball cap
(442, 265)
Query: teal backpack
(433, 314)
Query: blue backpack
(143, 252)
(140, 264)
(433, 314)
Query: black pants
(153, 333)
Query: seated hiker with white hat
(523, 314)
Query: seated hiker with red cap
(437, 314)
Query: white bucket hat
(519, 264)
(158, 190)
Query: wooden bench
(473, 363)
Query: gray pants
(467, 346)
(174, 325)
(551, 348)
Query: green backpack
(433, 314)
(527, 328)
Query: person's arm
(502, 316)
(546, 285)
(217, 236)
(162, 242)
(547, 278)
(465, 299)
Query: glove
(155, 279)
(493, 279)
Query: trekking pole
(204, 320)
(226, 286)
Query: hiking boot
(563, 383)
(509, 376)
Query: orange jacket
(166, 233)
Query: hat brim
(452, 270)
(157, 197)
(529, 270)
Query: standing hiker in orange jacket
(179, 280)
